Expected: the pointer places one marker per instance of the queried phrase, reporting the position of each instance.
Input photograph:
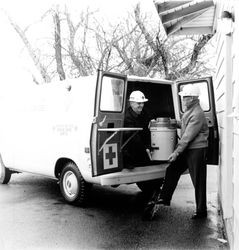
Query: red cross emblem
(110, 156)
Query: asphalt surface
(33, 215)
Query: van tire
(148, 187)
(73, 187)
(5, 173)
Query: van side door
(106, 136)
(207, 103)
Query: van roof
(148, 79)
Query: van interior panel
(160, 98)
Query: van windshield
(112, 94)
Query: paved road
(33, 215)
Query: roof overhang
(187, 17)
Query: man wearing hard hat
(190, 152)
(135, 153)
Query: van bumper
(127, 176)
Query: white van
(72, 131)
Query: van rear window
(112, 94)
(203, 97)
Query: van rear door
(106, 136)
(207, 103)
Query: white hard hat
(137, 96)
(190, 90)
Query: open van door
(106, 136)
(207, 103)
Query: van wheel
(73, 187)
(5, 173)
(148, 187)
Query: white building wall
(235, 122)
(226, 84)
(224, 94)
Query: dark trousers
(195, 161)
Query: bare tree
(22, 34)
(157, 46)
(58, 48)
(80, 56)
(129, 47)
(164, 52)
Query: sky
(25, 11)
(15, 66)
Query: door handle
(95, 120)
(102, 122)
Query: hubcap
(70, 184)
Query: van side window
(112, 94)
(204, 95)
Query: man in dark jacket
(135, 152)
(190, 153)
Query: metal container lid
(163, 119)
(163, 122)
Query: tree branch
(58, 53)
